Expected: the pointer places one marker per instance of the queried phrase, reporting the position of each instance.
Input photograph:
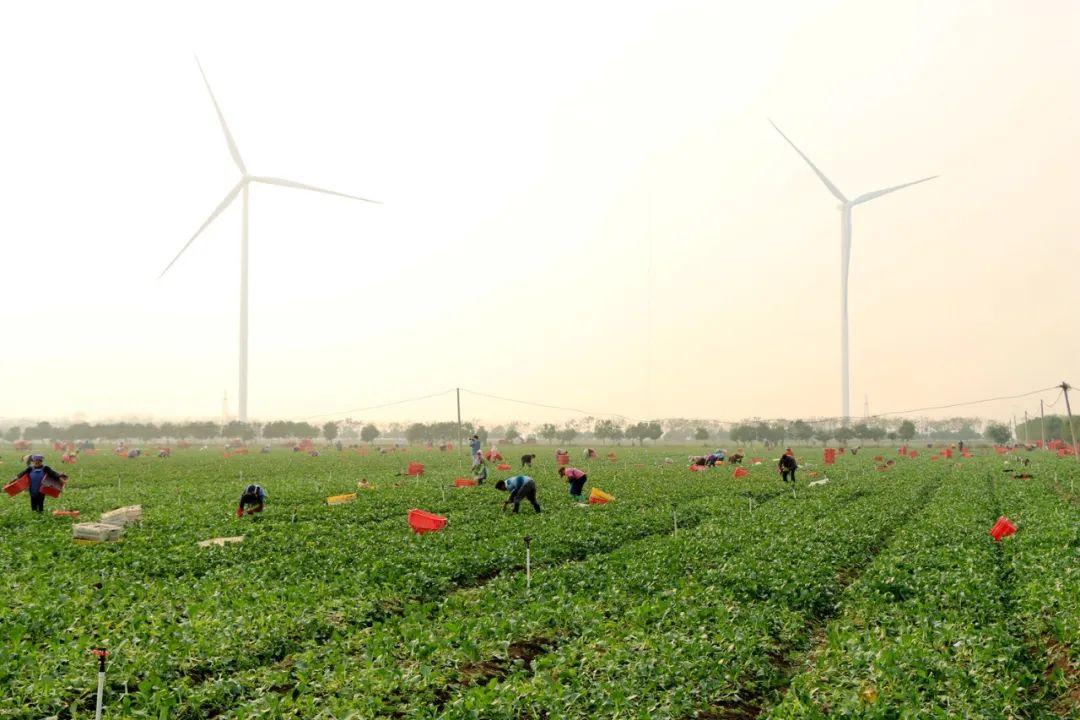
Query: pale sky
(585, 205)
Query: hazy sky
(585, 205)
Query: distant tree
(906, 431)
(843, 435)
(801, 430)
(643, 431)
(368, 433)
(605, 430)
(330, 431)
(41, 431)
(417, 432)
(511, 434)
(701, 434)
(892, 435)
(304, 430)
(482, 433)
(823, 435)
(548, 431)
(235, 429)
(13, 433)
(567, 435)
(998, 434)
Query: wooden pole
(1068, 410)
(1042, 424)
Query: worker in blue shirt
(254, 496)
(38, 471)
(520, 487)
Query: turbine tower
(845, 258)
(241, 188)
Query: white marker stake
(528, 562)
(443, 488)
(675, 519)
(100, 685)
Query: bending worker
(577, 480)
(787, 465)
(520, 487)
(254, 496)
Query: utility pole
(1025, 428)
(1015, 434)
(1068, 409)
(1042, 424)
(460, 440)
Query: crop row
(661, 627)
(929, 629)
(178, 616)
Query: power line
(384, 405)
(550, 407)
(1056, 401)
(816, 421)
(970, 402)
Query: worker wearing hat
(37, 470)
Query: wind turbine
(241, 188)
(845, 256)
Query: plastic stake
(528, 562)
(101, 654)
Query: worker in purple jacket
(577, 480)
(38, 471)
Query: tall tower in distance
(225, 408)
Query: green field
(878, 595)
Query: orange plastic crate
(425, 522)
(15, 487)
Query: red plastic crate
(425, 522)
(15, 487)
(1002, 528)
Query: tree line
(199, 430)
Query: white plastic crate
(96, 532)
(123, 516)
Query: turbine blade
(217, 211)
(828, 183)
(302, 186)
(233, 150)
(878, 193)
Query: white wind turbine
(241, 187)
(845, 257)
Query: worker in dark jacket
(38, 471)
(520, 487)
(254, 496)
(787, 465)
